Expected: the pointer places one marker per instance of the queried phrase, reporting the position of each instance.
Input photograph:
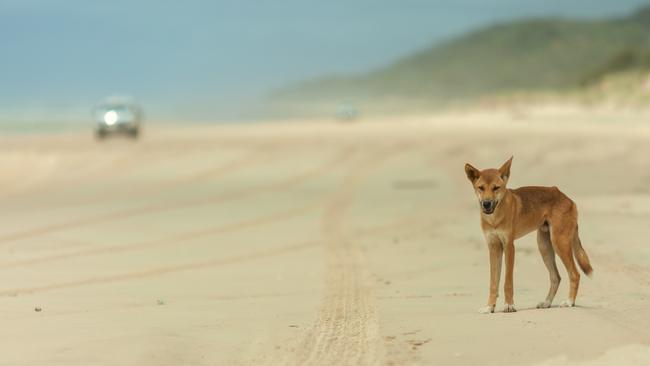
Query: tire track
(169, 206)
(88, 167)
(158, 270)
(346, 331)
(209, 263)
(168, 240)
(232, 166)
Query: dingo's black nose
(487, 205)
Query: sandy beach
(316, 243)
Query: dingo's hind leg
(548, 255)
(562, 236)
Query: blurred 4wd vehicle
(117, 116)
(347, 112)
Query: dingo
(509, 214)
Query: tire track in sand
(79, 171)
(346, 330)
(168, 240)
(256, 156)
(208, 263)
(157, 271)
(340, 157)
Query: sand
(316, 243)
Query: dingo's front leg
(496, 255)
(508, 287)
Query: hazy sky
(64, 54)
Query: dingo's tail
(581, 256)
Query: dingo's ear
(472, 173)
(504, 171)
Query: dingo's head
(489, 185)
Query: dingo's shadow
(553, 307)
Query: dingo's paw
(544, 305)
(567, 304)
(486, 309)
(509, 308)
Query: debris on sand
(160, 302)
(38, 309)
(417, 343)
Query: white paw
(486, 309)
(567, 304)
(544, 305)
(509, 308)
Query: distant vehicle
(117, 116)
(347, 112)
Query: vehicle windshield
(123, 112)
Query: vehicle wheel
(134, 133)
(100, 134)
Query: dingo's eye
(481, 188)
(495, 188)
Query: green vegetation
(627, 60)
(552, 54)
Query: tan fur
(518, 212)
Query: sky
(203, 60)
